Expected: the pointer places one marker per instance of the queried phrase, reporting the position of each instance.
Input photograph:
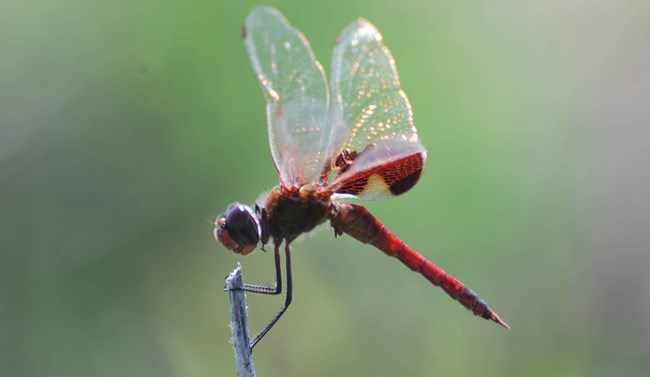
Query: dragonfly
(352, 139)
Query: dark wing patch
(390, 179)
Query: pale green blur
(127, 127)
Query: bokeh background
(127, 126)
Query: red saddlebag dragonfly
(354, 139)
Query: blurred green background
(126, 127)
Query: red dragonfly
(356, 139)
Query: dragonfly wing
(295, 90)
(385, 157)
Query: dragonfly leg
(275, 289)
(288, 297)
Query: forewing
(295, 90)
(368, 98)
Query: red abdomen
(356, 221)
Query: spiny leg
(275, 289)
(287, 300)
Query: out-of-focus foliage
(126, 127)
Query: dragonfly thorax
(291, 212)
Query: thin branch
(239, 324)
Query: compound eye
(242, 225)
(238, 229)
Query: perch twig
(239, 324)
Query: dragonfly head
(238, 229)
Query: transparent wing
(382, 155)
(295, 90)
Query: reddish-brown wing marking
(395, 176)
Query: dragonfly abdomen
(357, 222)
